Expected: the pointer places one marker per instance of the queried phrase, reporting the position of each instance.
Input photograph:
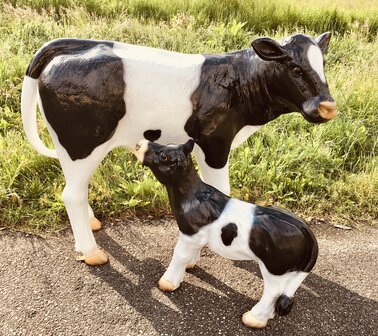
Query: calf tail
(29, 98)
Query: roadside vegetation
(328, 170)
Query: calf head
(296, 75)
(170, 163)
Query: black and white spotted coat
(282, 244)
(98, 95)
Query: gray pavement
(44, 291)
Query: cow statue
(97, 95)
(282, 244)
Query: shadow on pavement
(322, 307)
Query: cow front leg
(216, 177)
(186, 251)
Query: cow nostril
(327, 110)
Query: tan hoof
(94, 259)
(251, 321)
(166, 285)
(95, 224)
(190, 266)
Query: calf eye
(297, 72)
(163, 156)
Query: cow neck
(194, 203)
(254, 79)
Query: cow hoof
(166, 285)
(94, 259)
(95, 224)
(190, 266)
(251, 321)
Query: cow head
(297, 78)
(168, 163)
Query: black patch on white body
(282, 241)
(229, 232)
(152, 135)
(81, 92)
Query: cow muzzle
(327, 110)
(319, 110)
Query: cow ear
(269, 49)
(188, 147)
(323, 41)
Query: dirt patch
(44, 291)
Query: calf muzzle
(140, 150)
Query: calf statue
(98, 95)
(282, 244)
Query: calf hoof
(190, 266)
(96, 258)
(166, 285)
(95, 224)
(251, 321)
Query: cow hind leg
(75, 197)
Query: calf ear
(188, 147)
(323, 41)
(269, 49)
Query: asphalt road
(44, 291)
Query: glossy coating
(152, 135)
(284, 305)
(253, 87)
(194, 203)
(84, 96)
(58, 47)
(229, 232)
(81, 91)
(282, 241)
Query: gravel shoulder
(44, 291)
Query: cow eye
(163, 156)
(297, 72)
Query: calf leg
(186, 250)
(218, 178)
(285, 302)
(274, 286)
(194, 260)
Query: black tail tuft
(284, 305)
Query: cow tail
(29, 98)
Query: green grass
(327, 170)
